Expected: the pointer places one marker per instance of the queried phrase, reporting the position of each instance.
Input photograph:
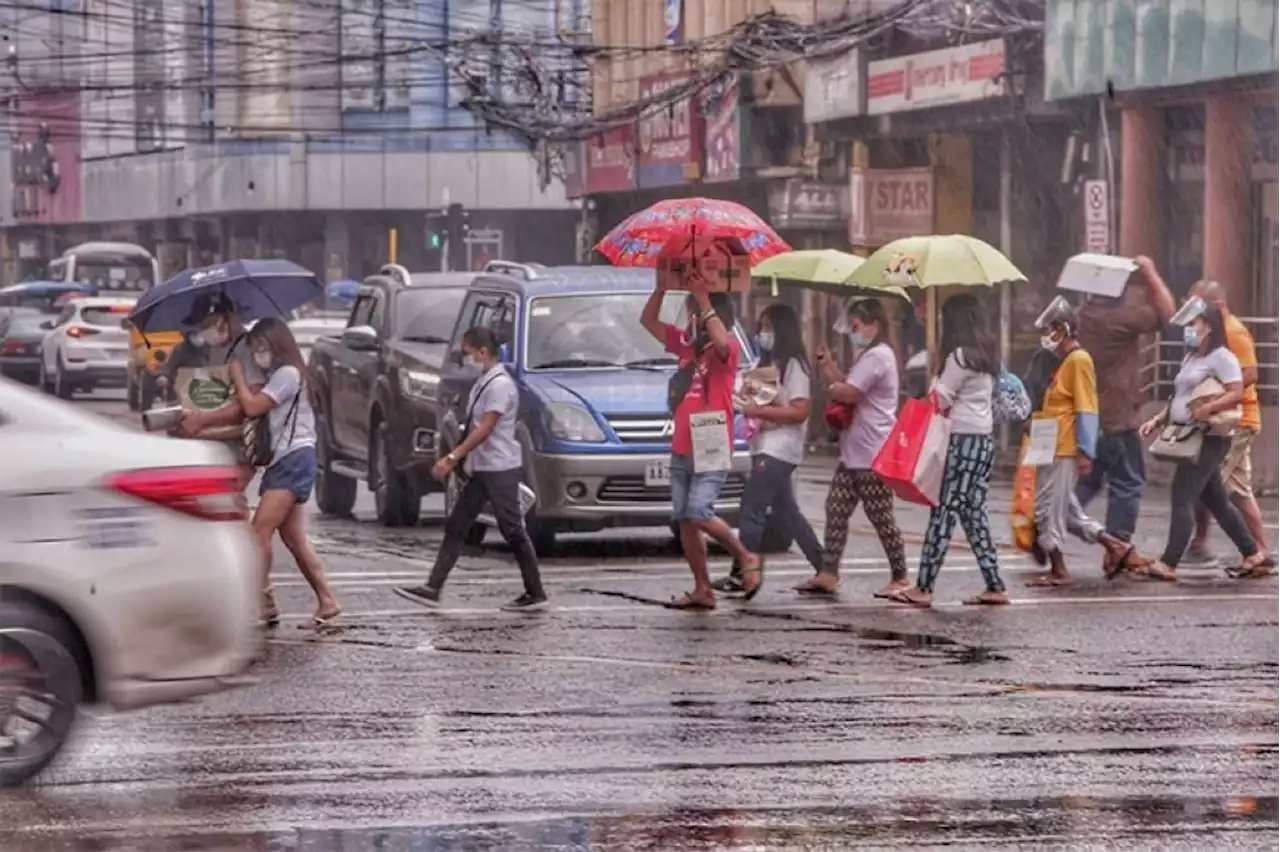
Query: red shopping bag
(914, 458)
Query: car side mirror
(47, 325)
(360, 338)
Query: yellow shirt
(1074, 390)
(1240, 342)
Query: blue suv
(594, 422)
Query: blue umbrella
(255, 289)
(343, 291)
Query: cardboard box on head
(722, 262)
(1096, 274)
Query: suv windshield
(582, 332)
(427, 314)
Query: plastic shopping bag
(1023, 513)
(914, 458)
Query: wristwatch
(451, 458)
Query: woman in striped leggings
(963, 389)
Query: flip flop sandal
(902, 598)
(983, 600)
(690, 603)
(321, 622)
(1114, 569)
(887, 593)
(749, 593)
(1047, 581)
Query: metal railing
(1163, 359)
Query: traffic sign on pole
(1097, 216)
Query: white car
(128, 573)
(87, 345)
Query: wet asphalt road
(1103, 716)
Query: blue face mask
(858, 340)
(1191, 336)
(765, 341)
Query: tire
(36, 653)
(475, 535)
(62, 387)
(335, 495)
(397, 503)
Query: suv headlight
(418, 385)
(570, 422)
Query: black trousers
(1202, 483)
(500, 489)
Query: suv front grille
(631, 489)
(641, 428)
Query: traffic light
(456, 235)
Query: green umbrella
(826, 270)
(937, 261)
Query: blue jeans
(694, 495)
(770, 487)
(1120, 463)
(294, 472)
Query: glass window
(427, 315)
(579, 332)
(105, 317)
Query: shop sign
(952, 75)
(888, 204)
(571, 156)
(833, 88)
(798, 203)
(721, 107)
(1186, 157)
(610, 161)
(670, 149)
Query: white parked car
(128, 574)
(87, 345)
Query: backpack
(1009, 400)
(258, 445)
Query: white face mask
(215, 336)
(263, 360)
(470, 360)
(197, 340)
(1049, 342)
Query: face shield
(841, 325)
(1059, 310)
(1192, 308)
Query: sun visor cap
(1059, 310)
(1192, 308)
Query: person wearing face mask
(1208, 357)
(191, 353)
(1071, 401)
(778, 448)
(286, 401)
(871, 389)
(491, 462)
(219, 330)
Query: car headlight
(570, 422)
(418, 385)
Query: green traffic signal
(436, 241)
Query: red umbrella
(642, 237)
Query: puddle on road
(1062, 822)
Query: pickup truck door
(493, 310)
(365, 379)
(344, 386)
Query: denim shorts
(694, 495)
(295, 472)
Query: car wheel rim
(33, 719)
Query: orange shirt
(1240, 342)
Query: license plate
(656, 473)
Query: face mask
(472, 361)
(1191, 336)
(765, 339)
(263, 360)
(1049, 342)
(215, 336)
(197, 340)
(858, 339)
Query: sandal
(911, 596)
(269, 612)
(1129, 560)
(988, 598)
(320, 622)
(892, 589)
(731, 584)
(1255, 567)
(814, 586)
(749, 591)
(1049, 580)
(688, 601)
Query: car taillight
(212, 492)
(80, 331)
(12, 346)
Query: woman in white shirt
(963, 389)
(1200, 482)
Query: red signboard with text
(609, 161)
(45, 157)
(670, 137)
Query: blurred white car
(128, 574)
(87, 345)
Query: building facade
(266, 128)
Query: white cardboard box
(1098, 274)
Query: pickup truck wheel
(335, 495)
(398, 505)
(41, 687)
(475, 535)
